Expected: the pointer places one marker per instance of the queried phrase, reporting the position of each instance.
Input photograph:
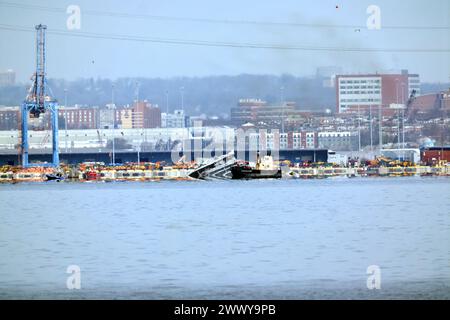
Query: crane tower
(39, 101)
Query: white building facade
(173, 120)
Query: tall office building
(357, 93)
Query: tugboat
(264, 169)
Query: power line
(214, 21)
(248, 45)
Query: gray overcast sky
(73, 57)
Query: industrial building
(302, 140)
(273, 139)
(434, 103)
(434, 155)
(338, 141)
(257, 111)
(148, 144)
(123, 156)
(76, 140)
(360, 93)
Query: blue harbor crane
(38, 101)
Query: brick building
(79, 117)
(360, 93)
(429, 103)
(146, 115)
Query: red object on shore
(91, 175)
(432, 155)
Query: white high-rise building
(173, 120)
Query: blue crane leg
(55, 142)
(24, 128)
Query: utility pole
(403, 134)
(137, 91)
(443, 126)
(114, 126)
(167, 101)
(359, 130)
(282, 108)
(403, 121)
(398, 127)
(138, 155)
(398, 118)
(380, 131)
(65, 117)
(371, 125)
(167, 120)
(182, 98)
(141, 116)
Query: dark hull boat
(246, 172)
(54, 177)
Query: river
(273, 239)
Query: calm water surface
(227, 239)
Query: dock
(213, 170)
(327, 172)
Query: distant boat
(54, 176)
(264, 169)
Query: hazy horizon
(169, 39)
